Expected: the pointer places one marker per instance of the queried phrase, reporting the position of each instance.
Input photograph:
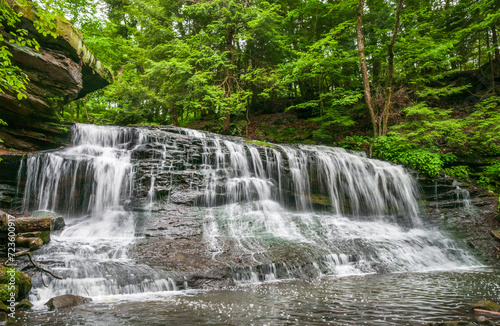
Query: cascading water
(268, 212)
(90, 182)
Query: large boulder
(22, 282)
(66, 301)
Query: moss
(6, 290)
(22, 281)
(319, 199)
(260, 143)
(24, 305)
(4, 307)
(486, 305)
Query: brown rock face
(63, 69)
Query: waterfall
(267, 212)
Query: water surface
(377, 299)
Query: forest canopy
(409, 81)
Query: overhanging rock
(63, 69)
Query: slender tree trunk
(315, 23)
(230, 75)
(390, 72)
(78, 111)
(85, 108)
(71, 111)
(364, 69)
(495, 43)
(175, 121)
(479, 50)
(490, 58)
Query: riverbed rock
(486, 305)
(66, 301)
(24, 304)
(4, 307)
(464, 209)
(454, 323)
(57, 220)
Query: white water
(90, 182)
(329, 211)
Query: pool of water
(376, 299)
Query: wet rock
(24, 305)
(486, 305)
(21, 281)
(58, 223)
(66, 301)
(464, 209)
(482, 320)
(4, 307)
(454, 323)
(57, 220)
(7, 292)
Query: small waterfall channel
(266, 211)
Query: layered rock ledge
(63, 69)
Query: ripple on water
(379, 299)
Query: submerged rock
(66, 301)
(486, 305)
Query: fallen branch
(482, 311)
(38, 267)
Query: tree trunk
(492, 67)
(362, 62)
(479, 51)
(71, 111)
(495, 43)
(390, 73)
(175, 121)
(85, 108)
(230, 74)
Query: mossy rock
(4, 307)
(486, 305)
(24, 305)
(22, 281)
(57, 220)
(6, 290)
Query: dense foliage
(224, 64)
